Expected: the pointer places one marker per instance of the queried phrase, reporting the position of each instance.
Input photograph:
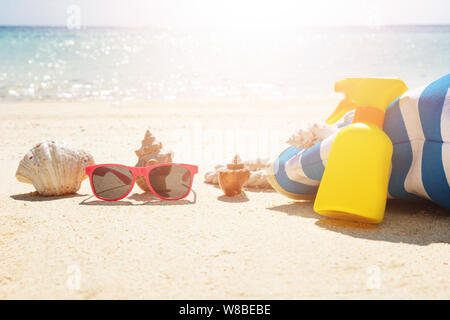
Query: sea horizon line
(381, 26)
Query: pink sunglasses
(167, 181)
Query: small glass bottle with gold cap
(355, 182)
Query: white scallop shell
(54, 168)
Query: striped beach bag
(418, 123)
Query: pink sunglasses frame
(141, 172)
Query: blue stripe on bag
(282, 178)
(394, 125)
(402, 156)
(433, 175)
(401, 163)
(431, 103)
(312, 163)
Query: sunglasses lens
(111, 182)
(171, 181)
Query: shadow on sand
(242, 197)
(34, 196)
(145, 199)
(302, 208)
(414, 222)
(251, 189)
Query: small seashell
(233, 177)
(306, 138)
(257, 164)
(151, 152)
(54, 168)
(212, 177)
(257, 178)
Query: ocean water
(113, 64)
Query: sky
(225, 13)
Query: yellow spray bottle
(355, 182)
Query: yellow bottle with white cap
(355, 182)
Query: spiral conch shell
(54, 168)
(150, 153)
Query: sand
(259, 245)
